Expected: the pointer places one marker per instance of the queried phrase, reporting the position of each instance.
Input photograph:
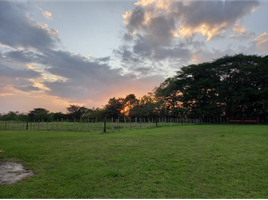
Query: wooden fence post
(112, 124)
(27, 124)
(118, 123)
(67, 124)
(96, 125)
(47, 124)
(129, 123)
(74, 125)
(61, 124)
(125, 122)
(81, 123)
(88, 124)
(136, 122)
(104, 130)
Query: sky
(57, 53)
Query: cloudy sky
(56, 53)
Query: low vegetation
(191, 161)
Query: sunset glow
(56, 53)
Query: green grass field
(191, 161)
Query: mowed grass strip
(197, 161)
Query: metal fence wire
(95, 124)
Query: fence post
(37, 124)
(74, 125)
(81, 123)
(156, 122)
(88, 124)
(112, 124)
(96, 125)
(27, 124)
(104, 130)
(47, 124)
(136, 122)
(148, 122)
(129, 123)
(118, 123)
(67, 124)
(125, 122)
(61, 124)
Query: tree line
(231, 86)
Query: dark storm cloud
(83, 78)
(160, 29)
(28, 88)
(6, 71)
(157, 24)
(127, 37)
(17, 30)
(24, 56)
(136, 19)
(213, 12)
(103, 59)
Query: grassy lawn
(191, 161)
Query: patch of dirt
(11, 172)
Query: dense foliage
(232, 86)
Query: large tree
(76, 111)
(113, 108)
(38, 114)
(234, 86)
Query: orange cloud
(262, 37)
(205, 29)
(239, 28)
(47, 15)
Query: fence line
(90, 124)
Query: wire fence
(95, 124)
